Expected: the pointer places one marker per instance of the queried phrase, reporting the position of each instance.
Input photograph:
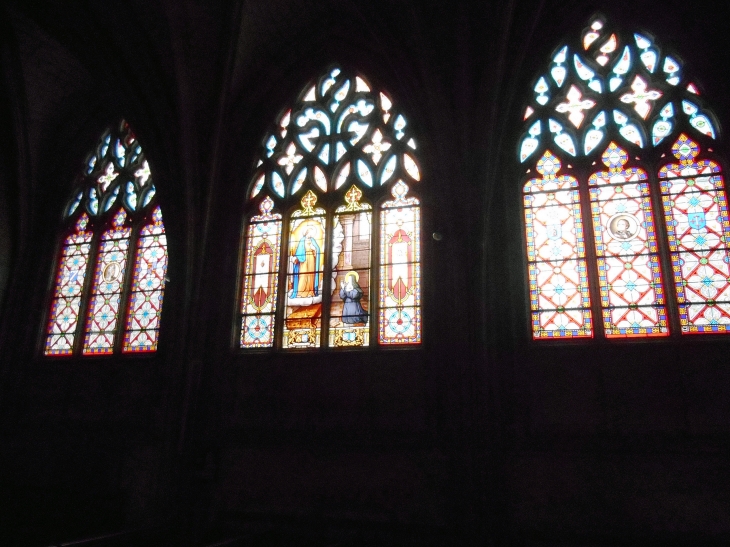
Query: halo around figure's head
(353, 274)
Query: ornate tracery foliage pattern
(112, 217)
(621, 101)
(329, 159)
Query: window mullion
(88, 284)
(374, 311)
(327, 279)
(280, 309)
(594, 285)
(665, 259)
(127, 287)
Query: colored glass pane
(349, 311)
(104, 304)
(69, 288)
(400, 269)
(261, 278)
(148, 287)
(630, 278)
(305, 275)
(559, 297)
(698, 227)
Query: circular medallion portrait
(111, 272)
(623, 227)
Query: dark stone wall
(480, 437)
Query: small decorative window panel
(400, 268)
(620, 99)
(696, 211)
(263, 243)
(340, 148)
(145, 301)
(629, 272)
(559, 297)
(112, 216)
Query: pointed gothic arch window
(110, 275)
(332, 245)
(627, 226)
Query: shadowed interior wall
(479, 437)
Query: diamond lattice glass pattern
(696, 211)
(148, 285)
(70, 279)
(559, 297)
(632, 297)
(104, 305)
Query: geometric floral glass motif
(630, 278)
(619, 99)
(696, 211)
(559, 297)
(339, 148)
(112, 216)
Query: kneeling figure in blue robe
(351, 293)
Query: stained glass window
(621, 101)
(340, 149)
(99, 306)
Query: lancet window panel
(111, 272)
(349, 320)
(312, 266)
(698, 227)
(69, 289)
(147, 292)
(559, 299)
(652, 262)
(632, 295)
